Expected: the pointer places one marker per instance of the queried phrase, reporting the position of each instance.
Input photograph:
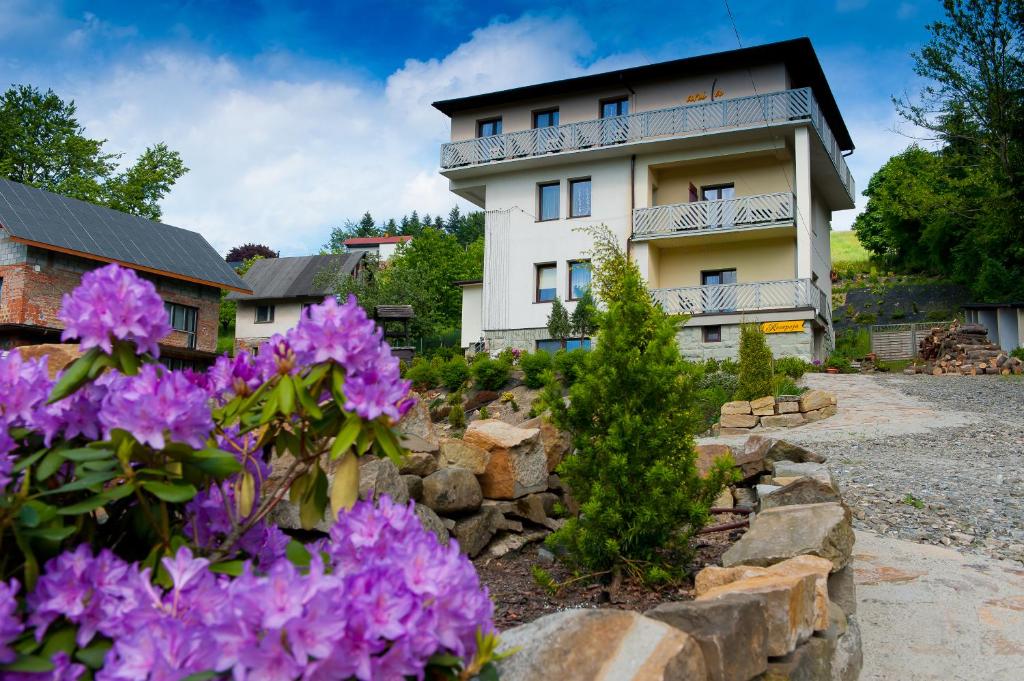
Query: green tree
(756, 364)
(631, 418)
(584, 317)
(43, 145)
(366, 227)
(559, 324)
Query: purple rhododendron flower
(156, 405)
(344, 334)
(11, 625)
(7, 445)
(114, 303)
(233, 376)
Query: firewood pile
(963, 349)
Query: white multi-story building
(718, 173)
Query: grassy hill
(846, 248)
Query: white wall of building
(472, 314)
(286, 315)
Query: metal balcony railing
(679, 121)
(705, 216)
(749, 297)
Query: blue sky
(294, 116)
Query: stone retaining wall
(781, 607)
(785, 411)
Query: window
(717, 297)
(716, 277)
(712, 334)
(183, 318)
(546, 283)
(717, 192)
(547, 201)
(551, 345)
(719, 214)
(264, 314)
(545, 119)
(579, 278)
(488, 127)
(615, 107)
(579, 198)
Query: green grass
(846, 248)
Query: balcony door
(721, 213)
(717, 295)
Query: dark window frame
(190, 313)
(590, 203)
(704, 273)
(540, 201)
(537, 267)
(569, 264)
(707, 336)
(270, 317)
(721, 185)
(485, 121)
(613, 100)
(541, 112)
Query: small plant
(510, 356)
(457, 416)
(755, 377)
(455, 398)
(559, 325)
(840, 363)
(508, 398)
(1017, 352)
(534, 364)
(484, 412)
(911, 500)
(544, 579)
(423, 374)
(558, 510)
(794, 367)
(491, 374)
(454, 373)
(784, 385)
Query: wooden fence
(899, 341)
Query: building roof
(50, 221)
(279, 278)
(798, 55)
(376, 240)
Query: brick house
(48, 241)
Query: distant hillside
(846, 248)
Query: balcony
(680, 121)
(738, 298)
(700, 217)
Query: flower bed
(133, 506)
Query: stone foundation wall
(693, 347)
(520, 339)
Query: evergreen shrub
(755, 376)
(454, 373)
(491, 374)
(423, 374)
(534, 364)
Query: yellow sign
(795, 326)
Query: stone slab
(779, 534)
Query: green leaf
(171, 493)
(90, 504)
(106, 465)
(93, 655)
(489, 672)
(127, 360)
(215, 462)
(230, 567)
(60, 641)
(28, 663)
(85, 482)
(346, 436)
(444, 660)
(200, 676)
(28, 516)
(75, 375)
(42, 511)
(57, 534)
(311, 511)
(286, 395)
(28, 461)
(338, 384)
(309, 405)
(49, 465)
(388, 442)
(269, 408)
(297, 553)
(31, 567)
(87, 454)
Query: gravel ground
(961, 487)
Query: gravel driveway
(958, 483)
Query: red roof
(374, 240)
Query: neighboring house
(717, 173)
(48, 241)
(281, 289)
(382, 246)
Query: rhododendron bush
(133, 503)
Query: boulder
(378, 477)
(475, 531)
(764, 490)
(600, 645)
(783, 420)
(842, 591)
(801, 491)
(814, 399)
(732, 633)
(504, 543)
(414, 485)
(713, 577)
(792, 407)
(750, 461)
(848, 653)
(763, 406)
(518, 464)
(772, 449)
(737, 407)
(455, 452)
(815, 471)
(788, 602)
(431, 521)
(537, 508)
(556, 442)
(706, 455)
(416, 429)
(809, 662)
(729, 432)
(724, 500)
(819, 414)
(781, 533)
(58, 355)
(418, 463)
(745, 497)
(738, 421)
(452, 490)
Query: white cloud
(282, 160)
